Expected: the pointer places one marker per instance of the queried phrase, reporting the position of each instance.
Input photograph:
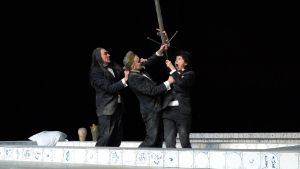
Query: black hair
(97, 63)
(185, 55)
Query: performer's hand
(171, 80)
(170, 65)
(142, 60)
(162, 49)
(126, 73)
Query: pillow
(48, 138)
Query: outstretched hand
(162, 49)
(170, 65)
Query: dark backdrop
(243, 55)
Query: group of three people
(173, 109)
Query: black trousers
(173, 125)
(154, 131)
(110, 129)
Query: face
(105, 56)
(136, 63)
(180, 63)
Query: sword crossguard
(167, 39)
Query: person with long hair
(108, 79)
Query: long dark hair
(97, 63)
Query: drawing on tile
(17, 154)
(67, 158)
(91, 156)
(27, 154)
(156, 157)
(8, 153)
(270, 161)
(37, 154)
(47, 155)
(142, 158)
(171, 159)
(251, 160)
(115, 157)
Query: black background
(243, 54)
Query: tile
(201, 159)
(156, 158)
(69, 155)
(251, 160)
(103, 156)
(217, 160)
(269, 160)
(289, 160)
(142, 158)
(233, 160)
(27, 154)
(186, 159)
(91, 156)
(1, 153)
(80, 155)
(171, 158)
(129, 157)
(17, 154)
(47, 155)
(58, 155)
(8, 153)
(37, 154)
(116, 156)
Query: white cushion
(48, 138)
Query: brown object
(94, 131)
(82, 132)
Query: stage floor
(210, 150)
(35, 165)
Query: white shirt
(123, 81)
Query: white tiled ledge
(174, 158)
(241, 140)
(277, 135)
(221, 145)
(238, 144)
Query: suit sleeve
(185, 80)
(142, 85)
(152, 60)
(98, 80)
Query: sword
(162, 32)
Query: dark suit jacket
(181, 92)
(107, 90)
(146, 90)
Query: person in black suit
(148, 94)
(177, 111)
(108, 79)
